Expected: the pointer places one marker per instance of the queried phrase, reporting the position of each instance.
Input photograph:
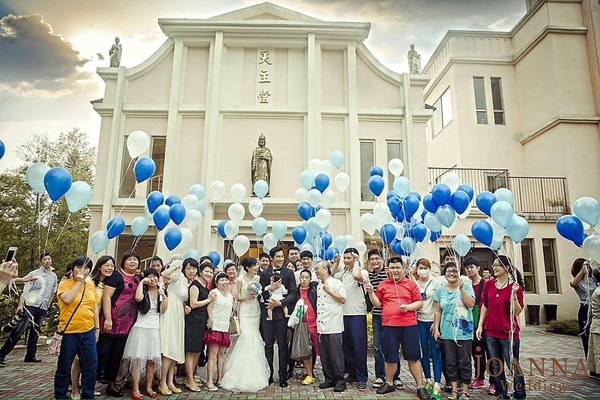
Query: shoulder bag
(55, 343)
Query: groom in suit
(277, 327)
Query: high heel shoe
(164, 392)
(137, 396)
(151, 394)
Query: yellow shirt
(83, 320)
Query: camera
(14, 322)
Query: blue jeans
(83, 345)
(430, 348)
(499, 353)
(379, 359)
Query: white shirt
(355, 301)
(427, 313)
(312, 274)
(330, 312)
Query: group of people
(119, 323)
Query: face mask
(424, 273)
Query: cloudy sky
(50, 49)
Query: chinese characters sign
(264, 72)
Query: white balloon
(382, 214)
(315, 166)
(270, 241)
(323, 217)
(301, 195)
(361, 247)
(591, 247)
(400, 230)
(217, 190)
(193, 219)
(327, 167)
(241, 244)
(255, 207)
(137, 143)
(190, 202)
(236, 212)
(186, 237)
(396, 166)
(238, 192)
(314, 197)
(327, 199)
(451, 179)
(231, 230)
(466, 213)
(349, 239)
(342, 181)
(368, 223)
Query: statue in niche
(414, 60)
(115, 53)
(261, 163)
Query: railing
(541, 196)
(155, 183)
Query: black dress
(195, 322)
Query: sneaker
(492, 390)
(477, 383)
(429, 387)
(422, 393)
(327, 385)
(340, 388)
(398, 384)
(362, 386)
(436, 394)
(386, 388)
(32, 360)
(378, 383)
(2, 362)
(309, 380)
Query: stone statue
(414, 60)
(261, 162)
(115, 53)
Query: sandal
(164, 392)
(192, 389)
(175, 389)
(465, 396)
(453, 396)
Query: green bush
(564, 327)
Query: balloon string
(61, 231)
(125, 174)
(39, 222)
(108, 228)
(49, 224)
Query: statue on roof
(115, 53)
(414, 60)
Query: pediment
(265, 11)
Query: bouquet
(254, 288)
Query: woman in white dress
(246, 367)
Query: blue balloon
(460, 201)
(2, 149)
(441, 193)
(215, 258)
(191, 253)
(416, 194)
(483, 232)
(279, 230)
(261, 188)
(172, 199)
(395, 205)
(321, 182)
(327, 240)
(485, 201)
(299, 234)
(259, 226)
(161, 217)
(408, 244)
(400, 216)
(376, 184)
(340, 242)
(177, 213)
(307, 178)
(388, 233)
(468, 190)
(430, 204)
(330, 253)
(435, 236)
(305, 211)
(57, 182)
(115, 227)
(139, 226)
(570, 227)
(391, 194)
(446, 215)
(337, 159)
(99, 241)
(419, 232)
(198, 191)
(154, 200)
(396, 247)
(143, 169)
(221, 229)
(411, 205)
(402, 186)
(376, 171)
(173, 238)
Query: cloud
(35, 59)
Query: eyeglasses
(452, 272)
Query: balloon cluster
(502, 219)
(574, 227)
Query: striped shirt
(375, 280)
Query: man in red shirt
(400, 300)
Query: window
(480, 106)
(495, 181)
(550, 265)
(158, 155)
(367, 160)
(144, 245)
(394, 150)
(127, 188)
(442, 113)
(497, 101)
(528, 267)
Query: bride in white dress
(246, 367)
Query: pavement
(553, 365)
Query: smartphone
(11, 254)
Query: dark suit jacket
(312, 294)
(288, 279)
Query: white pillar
(353, 144)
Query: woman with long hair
(502, 299)
(584, 285)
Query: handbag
(55, 343)
(234, 324)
